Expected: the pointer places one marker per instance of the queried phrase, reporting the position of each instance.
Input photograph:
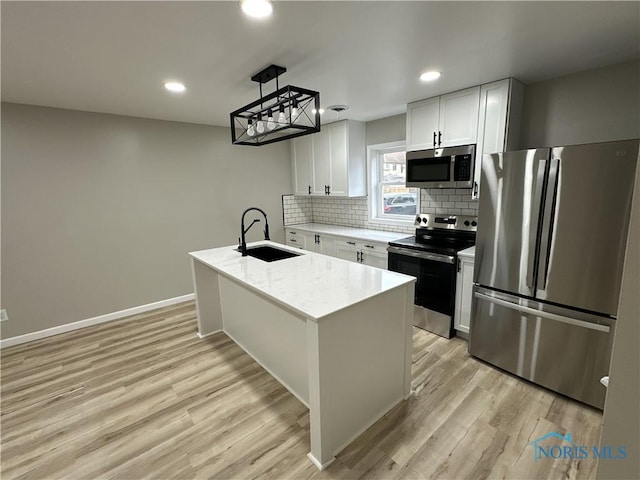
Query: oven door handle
(436, 257)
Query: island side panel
(358, 363)
(207, 295)
(275, 337)
(408, 336)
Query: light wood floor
(145, 398)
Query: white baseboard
(30, 337)
(316, 462)
(199, 335)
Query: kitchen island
(336, 334)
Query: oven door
(435, 286)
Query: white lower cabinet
(368, 253)
(346, 249)
(295, 238)
(326, 244)
(373, 254)
(464, 292)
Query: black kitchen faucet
(243, 231)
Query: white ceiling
(113, 57)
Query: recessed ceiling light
(321, 111)
(175, 87)
(430, 76)
(257, 8)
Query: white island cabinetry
(336, 334)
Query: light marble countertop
(311, 284)
(468, 252)
(351, 232)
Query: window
(390, 200)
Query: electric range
(431, 255)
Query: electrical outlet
(3, 315)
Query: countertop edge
(318, 228)
(194, 255)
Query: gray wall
(99, 211)
(621, 412)
(593, 106)
(386, 130)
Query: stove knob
(474, 224)
(425, 220)
(418, 219)
(466, 223)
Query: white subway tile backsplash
(354, 211)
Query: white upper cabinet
(459, 118)
(488, 115)
(302, 152)
(444, 121)
(499, 121)
(321, 176)
(331, 162)
(422, 124)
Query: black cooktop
(438, 234)
(444, 247)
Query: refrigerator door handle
(546, 240)
(541, 314)
(533, 221)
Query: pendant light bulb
(282, 118)
(270, 123)
(260, 125)
(294, 110)
(250, 130)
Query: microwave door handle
(534, 215)
(434, 139)
(452, 168)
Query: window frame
(375, 185)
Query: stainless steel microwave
(449, 167)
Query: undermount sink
(267, 253)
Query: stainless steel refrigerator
(550, 247)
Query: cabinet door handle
(351, 243)
(458, 264)
(328, 189)
(369, 246)
(359, 256)
(434, 139)
(292, 232)
(293, 240)
(309, 189)
(439, 138)
(475, 190)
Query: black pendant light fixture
(286, 113)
